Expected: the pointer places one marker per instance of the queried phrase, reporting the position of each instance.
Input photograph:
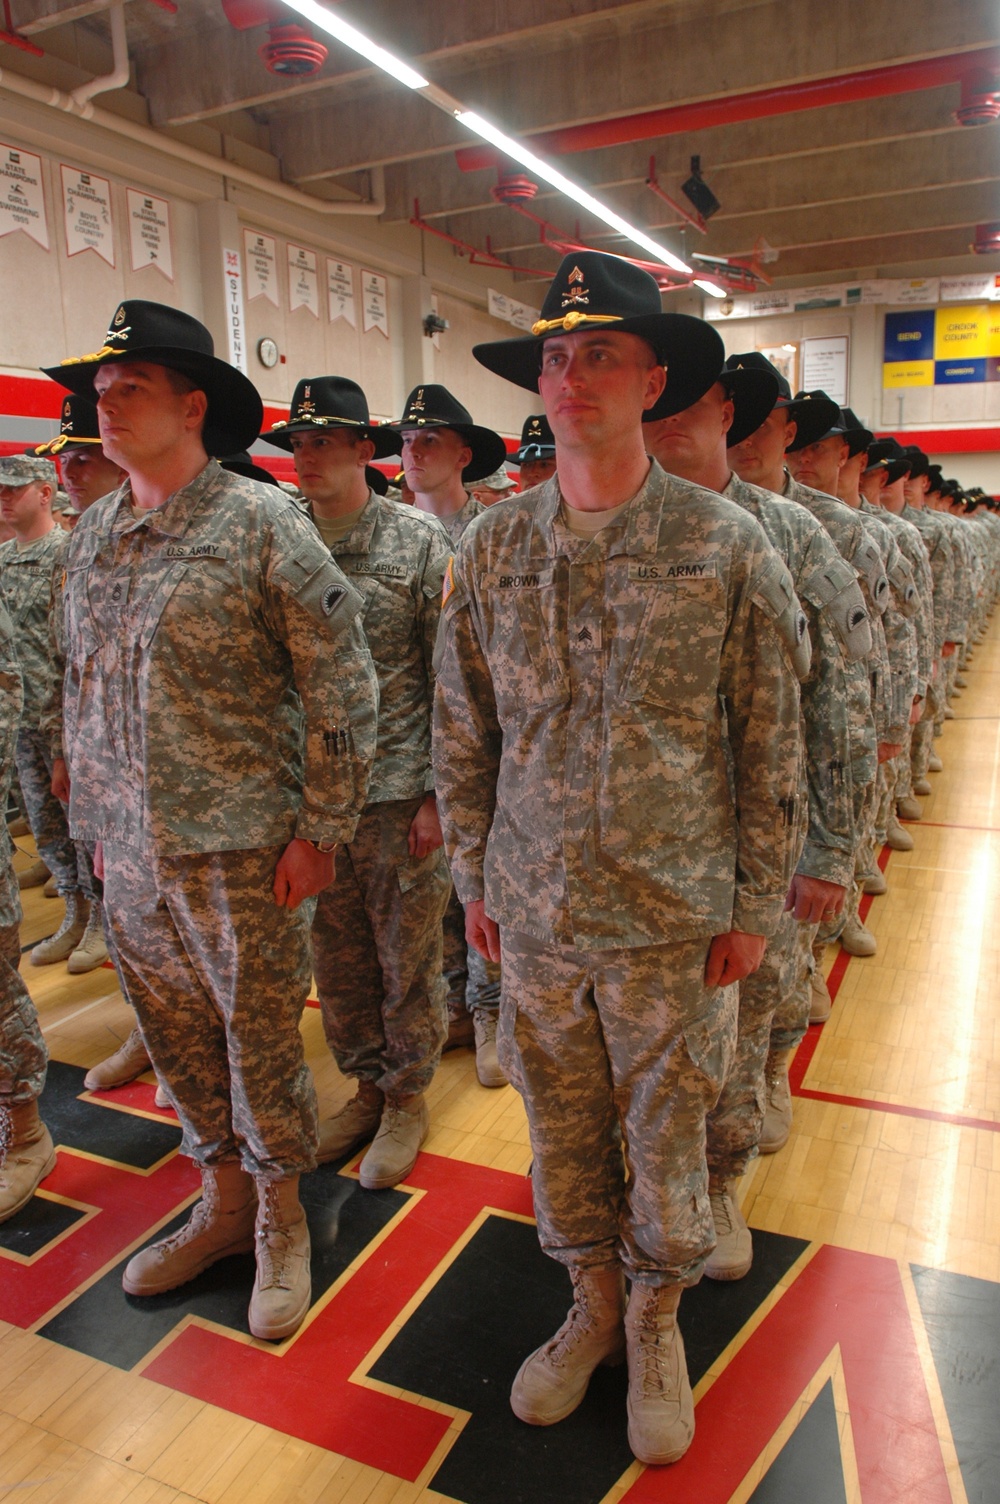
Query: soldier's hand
(481, 932)
(60, 779)
(888, 750)
(733, 956)
(812, 900)
(425, 830)
(916, 710)
(99, 860)
(948, 651)
(301, 872)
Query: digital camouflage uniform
(29, 579)
(859, 548)
(941, 555)
(839, 630)
(604, 709)
(23, 1057)
(472, 981)
(962, 600)
(219, 699)
(377, 931)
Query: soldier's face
(88, 475)
(595, 386)
(686, 443)
(433, 458)
(535, 472)
(21, 506)
(915, 488)
(762, 455)
(818, 465)
(893, 497)
(142, 419)
(871, 484)
(328, 465)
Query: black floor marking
(37, 1224)
(809, 1466)
(499, 1300)
(121, 1329)
(962, 1318)
(88, 1125)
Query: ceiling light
(343, 31)
(713, 290)
(790, 348)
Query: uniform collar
(637, 533)
(174, 516)
(359, 539)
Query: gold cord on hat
(79, 360)
(573, 320)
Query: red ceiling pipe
(757, 104)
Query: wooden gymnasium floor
(858, 1361)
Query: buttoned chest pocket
(202, 592)
(82, 632)
(26, 589)
(388, 616)
(675, 661)
(526, 666)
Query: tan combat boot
(283, 1287)
(552, 1380)
(660, 1403)
(68, 936)
(820, 1001)
(220, 1224)
(51, 889)
(461, 1030)
(778, 1112)
(487, 1065)
(856, 939)
(732, 1255)
(26, 1154)
(934, 763)
(128, 1061)
(356, 1122)
(923, 787)
(33, 876)
(92, 950)
(394, 1149)
(909, 808)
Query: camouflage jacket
(456, 522)
(219, 694)
(941, 555)
(616, 730)
(861, 552)
(898, 621)
(964, 595)
(27, 578)
(395, 557)
(911, 545)
(838, 729)
(11, 701)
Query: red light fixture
(987, 240)
(514, 188)
(291, 52)
(980, 102)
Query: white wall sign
(149, 232)
(970, 289)
(340, 292)
(87, 213)
(303, 280)
(824, 366)
(22, 197)
(261, 253)
(510, 310)
(915, 290)
(232, 272)
(375, 302)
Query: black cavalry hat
(435, 407)
(77, 426)
(537, 441)
(816, 416)
(813, 417)
(752, 392)
(592, 290)
(858, 437)
(321, 402)
(889, 455)
(165, 336)
(242, 464)
(919, 463)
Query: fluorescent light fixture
(343, 31)
(711, 288)
(520, 153)
(790, 348)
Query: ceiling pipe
(142, 135)
(118, 77)
(755, 104)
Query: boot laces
(274, 1246)
(656, 1355)
(722, 1211)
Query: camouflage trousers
(949, 668)
(65, 859)
(865, 806)
(472, 981)
(791, 1017)
(23, 1056)
(922, 739)
(619, 1056)
(888, 793)
(219, 975)
(904, 767)
(734, 1124)
(377, 954)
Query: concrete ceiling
(879, 183)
